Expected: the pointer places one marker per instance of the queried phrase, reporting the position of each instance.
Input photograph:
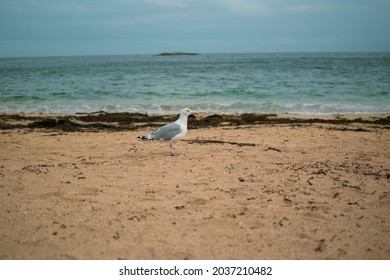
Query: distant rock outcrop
(177, 53)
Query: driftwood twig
(88, 124)
(273, 149)
(208, 141)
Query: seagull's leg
(171, 147)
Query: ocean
(298, 83)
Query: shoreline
(241, 187)
(135, 121)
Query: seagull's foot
(171, 149)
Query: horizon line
(198, 53)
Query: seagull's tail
(143, 138)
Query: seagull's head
(188, 112)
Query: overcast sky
(96, 27)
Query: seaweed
(136, 121)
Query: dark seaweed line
(133, 121)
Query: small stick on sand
(87, 124)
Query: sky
(105, 27)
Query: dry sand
(260, 191)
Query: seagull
(173, 131)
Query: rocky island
(176, 53)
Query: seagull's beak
(194, 113)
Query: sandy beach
(240, 187)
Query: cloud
(261, 7)
(169, 3)
(299, 8)
(309, 7)
(243, 7)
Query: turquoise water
(304, 83)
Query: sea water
(303, 83)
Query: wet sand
(241, 187)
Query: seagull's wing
(166, 132)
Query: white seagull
(173, 131)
